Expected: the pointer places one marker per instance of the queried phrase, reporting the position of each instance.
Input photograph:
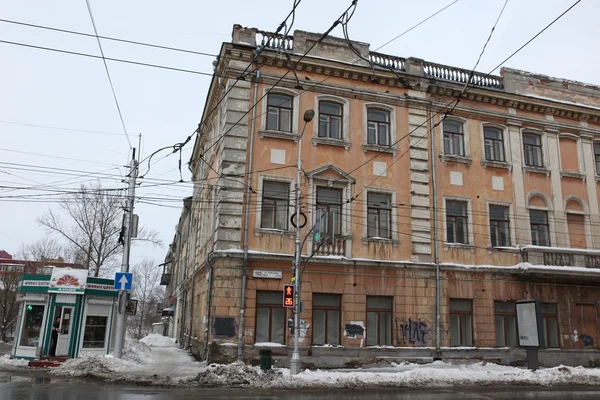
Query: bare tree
(92, 226)
(148, 293)
(8, 301)
(43, 248)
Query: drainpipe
(240, 353)
(208, 304)
(436, 254)
(193, 277)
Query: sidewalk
(156, 361)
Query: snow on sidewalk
(154, 360)
(438, 374)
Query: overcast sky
(50, 89)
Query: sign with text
(288, 295)
(529, 324)
(262, 274)
(68, 280)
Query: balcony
(165, 279)
(337, 247)
(567, 257)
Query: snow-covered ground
(155, 360)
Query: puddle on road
(36, 380)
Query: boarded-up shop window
(224, 327)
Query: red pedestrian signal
(288, 296)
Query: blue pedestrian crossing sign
(123, 280)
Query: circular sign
(293, 220)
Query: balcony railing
(387, 61)
(460, 75)
(562, 257)
(337, 247)
(270, 40)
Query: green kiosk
(85, 307)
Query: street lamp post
(295, 365)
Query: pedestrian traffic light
(288, 295)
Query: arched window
(576, 224)
(539, 221)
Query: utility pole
(295, 364)
(127, 226)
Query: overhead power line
(112, 88)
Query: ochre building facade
(443, 197)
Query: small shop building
(85, 307)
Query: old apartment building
(446, 197)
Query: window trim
(466, 138)
(285, 199)
(470, 236)
(270, 306)
(543, 160)
(341, 204)
(555, 316)
(511, 221)
(580, 160)
(504, 315)
(258, 229)
(459, 313)
(394, 218)
(586, 218)
(366, 146)
(344, 140)
(547, 224)
(263, 131)
(444, 157)
(548, 207)
(505, 142)
(380, 310)
(596, 160)
(327, 308)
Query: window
(275, 203)
(461, 323)
(532, 149)
(454, 139)
(326, 319)
(499, 226)
(379, 215)
(379, 321)
(494, 144)
(330, 201)
(506, 324)
(540, 230)
(279, 112)
(597, 156)
(32, 323)
(330, 120)
(94, 332)
(270, 317)
(378, 127)
(549, 318)
(456, 222)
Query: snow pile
(233, 375)
(434, 375)
(156, 340)
(162, 366)
(137, 351)
(7, 363)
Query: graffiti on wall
(354, 329)
(303, 329)
(412, 331)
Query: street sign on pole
(288, 295)
(123, 280)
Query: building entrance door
(64, 336)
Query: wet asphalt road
(38, 387)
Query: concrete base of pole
(295, 364)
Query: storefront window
(95, 332)
(32, 325)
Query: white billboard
(527, 323)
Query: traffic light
(288, 296)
